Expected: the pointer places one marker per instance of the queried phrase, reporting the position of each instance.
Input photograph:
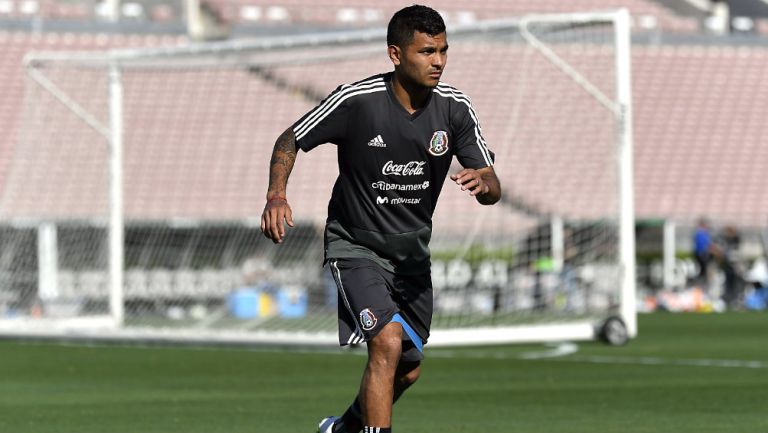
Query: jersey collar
(398, 105)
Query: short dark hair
(410, 19)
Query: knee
(385, 348)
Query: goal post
(140, 176)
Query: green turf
(650, 385)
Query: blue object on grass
(292, 302)
(244, 303)
(757, 300)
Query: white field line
(565, 353)
(725, 363)
(559, 353)
(556, 351)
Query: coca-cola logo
(412, 168)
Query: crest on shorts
(438, 145)
(367, 319)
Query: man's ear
(394, 54)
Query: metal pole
(48, 261)
(193, 19)
(558, 243)
(116, 224)
(669, 253)
(113, 10)
(626, 186)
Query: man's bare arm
(482, 183)
(281, 164)
(277, 210)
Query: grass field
(685, 373)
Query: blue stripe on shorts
(409, 331)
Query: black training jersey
(392, 166)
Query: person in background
(728, 255)
(702, 250)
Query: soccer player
(396, 135)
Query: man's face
(423, 60)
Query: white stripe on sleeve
(326, 107)
(458, 96)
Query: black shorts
(370, 297)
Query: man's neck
(411, 96)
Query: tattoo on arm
(281, 164)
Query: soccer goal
(132, 201)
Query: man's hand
(276, 211)
(472, 180)
(481, 183)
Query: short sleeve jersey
(392, 166)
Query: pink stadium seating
(14, 47)
(699, 127)
(367, 12)
(346, 12)
(698, 131)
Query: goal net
(131, 207)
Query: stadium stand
(16, 44)
(650, 15)
(672, 16)
(698, 132)
(699, 128)
(699, 140)
(231, 187)
(371, 12)
(89, 9)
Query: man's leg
(377, 387)
(358, 312)
(406, 375)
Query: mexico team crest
(367, 319)
(438, 145)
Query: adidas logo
(377, 141)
